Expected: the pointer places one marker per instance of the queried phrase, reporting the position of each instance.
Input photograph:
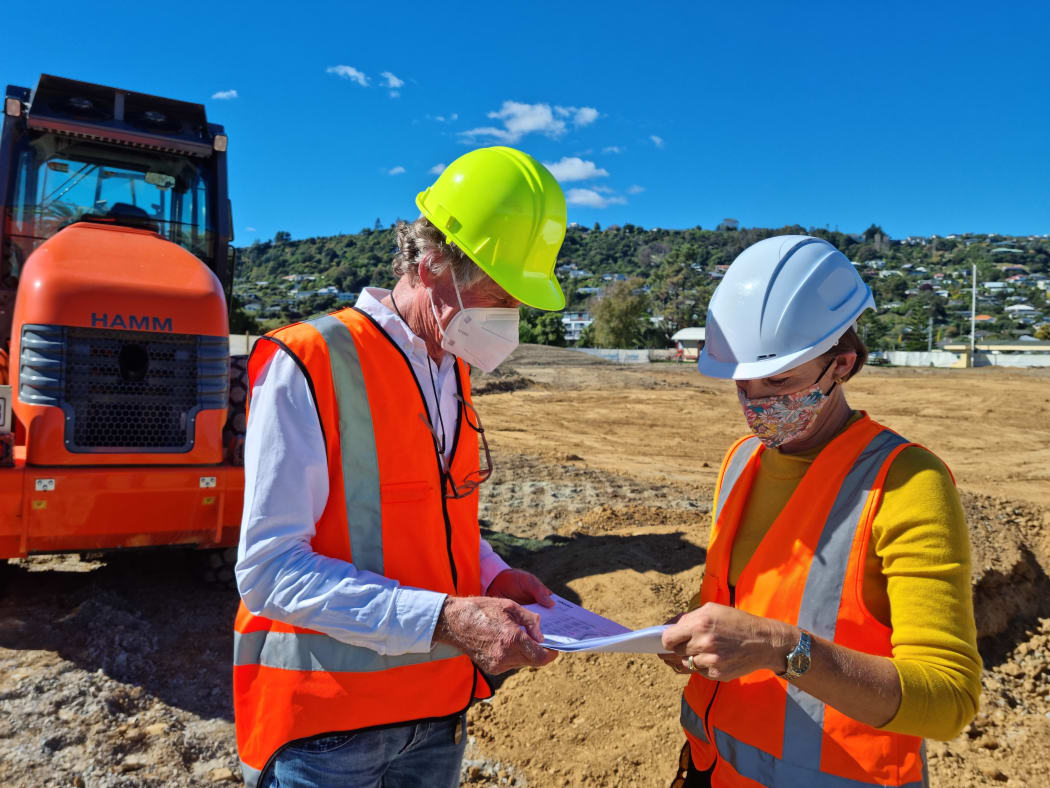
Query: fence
(1011, 359)
(914, 358)
(944, 358)
(241, 344)
(620, 356)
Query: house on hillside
(1021, 310)
(573, 324)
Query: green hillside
(677, 270)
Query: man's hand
(490, 631)
(726, 643)
(521, 586)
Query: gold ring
(692, 667)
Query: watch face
(798, 660)
(800, 663)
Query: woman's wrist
(782, 640)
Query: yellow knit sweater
(917, 580)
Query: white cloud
(581, 116)
(657, 141)
(520, 119)
(446, 119)
(636, 189)
(392, 82)
(398, 170)
(250, 230)
(437, 169)
(349, 72)
(225, 94)
(585, 116)
(591, 198)
(612, 149)
(573, 168)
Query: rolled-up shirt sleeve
(279, 575)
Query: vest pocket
(406, 492)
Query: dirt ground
(115, 671)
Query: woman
(834, 627)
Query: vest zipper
(710, 703)
(444, 501)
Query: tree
(586, 336)
(240, 321)
(540, 328)
(621, 315)
(282, 236)
(1043, 332)
(550, 330)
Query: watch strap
(798, 659)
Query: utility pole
(973, 315)
(929, 336)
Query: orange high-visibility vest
(385, 513)
(808, 571)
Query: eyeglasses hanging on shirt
(467, 486)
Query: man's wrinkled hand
(521, 586)
(497, 634)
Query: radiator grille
(124, 390)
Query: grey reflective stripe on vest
(251, 776)
(357, 446)
(691, 721)
(734, 468)
(309, 651)
(763, 768)
(822, 595)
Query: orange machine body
(54, 499)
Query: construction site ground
(115, 670)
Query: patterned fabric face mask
(782, 418)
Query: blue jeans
(401, 756)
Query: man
(369, 600)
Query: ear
(844, 365)
(426, 276)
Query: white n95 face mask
(481, 336)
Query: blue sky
(922, 117)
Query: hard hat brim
(753, 370)
(545, 294)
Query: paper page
(569, 627)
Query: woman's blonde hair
(421, 243)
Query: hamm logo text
(140, 322)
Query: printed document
(569, 627)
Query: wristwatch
(798, 658)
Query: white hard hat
(783, 301)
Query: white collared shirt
(279, 576)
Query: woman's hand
(726, 643)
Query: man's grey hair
(421, 243)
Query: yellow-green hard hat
(507, 213)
